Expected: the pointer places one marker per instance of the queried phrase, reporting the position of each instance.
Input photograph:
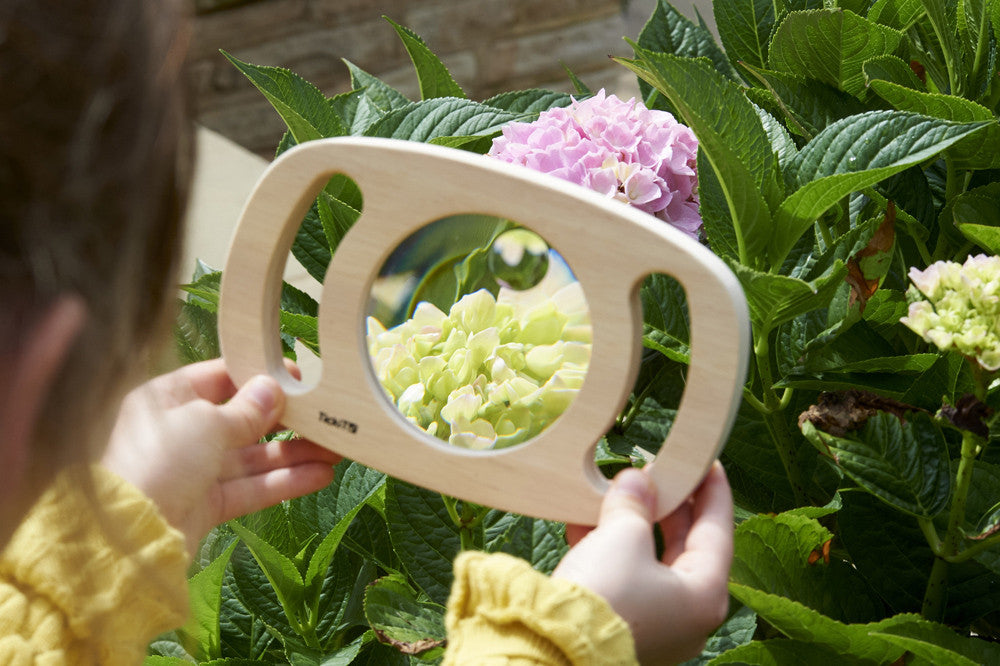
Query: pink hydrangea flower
(620, 149)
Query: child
(94, 162)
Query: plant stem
(774, 418)
(935, 595)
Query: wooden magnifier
(609, 246)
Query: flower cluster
(491, 373)
(621, 149)
(957, 306)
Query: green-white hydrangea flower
(492, 372)
(957, 306)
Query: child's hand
(188, 440)
(672, 604)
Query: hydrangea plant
(957, 306)
(840, 147)
(621, 149)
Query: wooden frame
(609, 246)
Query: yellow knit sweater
(91, 580)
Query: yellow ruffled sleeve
(504, 613)
(90, 578)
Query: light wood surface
(610, 248)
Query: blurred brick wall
(489, 46)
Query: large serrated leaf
(442, 117)
(382, 95)
(305, 110)
(540, 542)
(903, 464)
(434, 78)
(745, 29)
(775, 299)
(805, 624)
(281, 572)
(402, 620)
(737, 630)
(669, 31)
(852, 154)
(892, 554)
(730, 136)
(779, 652)
(772, 554)
(892, 69)
(898, 14)
(200, 634)
(830, 46)
(807, 105)
(423, 535)
(529, 101)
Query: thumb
(254, 410)
(632, 493)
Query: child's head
(94, 162)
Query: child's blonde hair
(94, 167)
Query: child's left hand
(189, 441)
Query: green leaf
(423, 535)
(579, 86)
(730, 136)
(891, 69)
(903, 464)
(890, 551)
(541, 542)
(807, 105)
(305, 110)
(830, 45)
(434, 78)
(780, 652)
(852, 154)
(737, 630)
(443, 117)
(775, 299)
(745, 29)
(772, 554)
(981, 151)
(281, 572)
(754, 467)
(529, 101)
(402, 620)
(383, 96)
(939, 644)
(977, 215)
(323, 555)
(311, 247)
(669, 31)
(898, 14)
(807, 625)
(196, 334)
(201, 632)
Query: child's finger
(207, 380)
(710, 539)
(252, 412)
(239, 497)
(632, 494)
(675, 529)
(262, 458)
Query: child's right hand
(671, 604)
(188, 440)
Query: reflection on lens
(518, 259)
(476, 364)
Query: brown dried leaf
(840, 412)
